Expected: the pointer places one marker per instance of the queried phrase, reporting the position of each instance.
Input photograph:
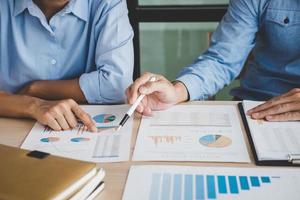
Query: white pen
(133, 107)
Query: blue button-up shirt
(270, 29)
(88, 39)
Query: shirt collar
(20, 6)
(78, 7)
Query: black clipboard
(257, 161)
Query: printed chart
(192, 133)
(105, 146)
(192, 183)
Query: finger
(140, 109)
(85, 118)
(273, 102)
(147, 112)
(281, 108)
(71, 119)
(134, 88)
(52, 123)
(289, 116)
(61, 121)
(151, 87)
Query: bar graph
(107, 146)
(170, 182)
(201, 186)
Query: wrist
(182, 94)
(33, 105)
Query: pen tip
(119, 128)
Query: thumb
(151, 87)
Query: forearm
(20, 106)
(56, 90)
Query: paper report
(192, 133)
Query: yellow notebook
(36, 175)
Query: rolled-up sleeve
(114, 56)
(222, 62)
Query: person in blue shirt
(270, 29)
(55, 54)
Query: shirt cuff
(193, 86)
(89, 84)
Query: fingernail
(94, 129)
(255, 115)
(269, 118)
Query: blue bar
(244, 183)
(211, 188)
(265, 179)
(200, 195)
(154, 191)
(254, 181)
(166, 186)
(188, 187)
(233, 186)
(177, 187)
(222, 185)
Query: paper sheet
(273, 140)
(192, 133)
(201, 183)
(104, 146)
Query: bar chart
(205, 183)
(206, 186)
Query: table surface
(14, 131)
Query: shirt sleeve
(114, 57)
(230, 46)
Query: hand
(61, 115)
(282, 108)
(30, 89)
(160, 95)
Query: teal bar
(166, 186)
(233, 186)
(265, 179)
(244, 183)
(222, 185)
(188, 187)
(177, 187)
(154, 191)
(254, 181)
(211, 188)
(200, 194)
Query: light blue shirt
(88, 39)
(268, 28)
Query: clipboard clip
(294, 159)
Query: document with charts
(104, 146)
(273, 140)
(203, 183)
(192, 133)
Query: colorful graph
(188, 186)
(49, 139)
(165, 139)
(215, 141)
(104, 118)
(80, 139)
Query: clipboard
(293, 159)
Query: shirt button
(286, 20)
(53, 61)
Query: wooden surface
(14, 131)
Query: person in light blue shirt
(55, 54)
(270, 29)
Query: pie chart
(104, 118)
(215, 141)
(49, 139)
(80, 139)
